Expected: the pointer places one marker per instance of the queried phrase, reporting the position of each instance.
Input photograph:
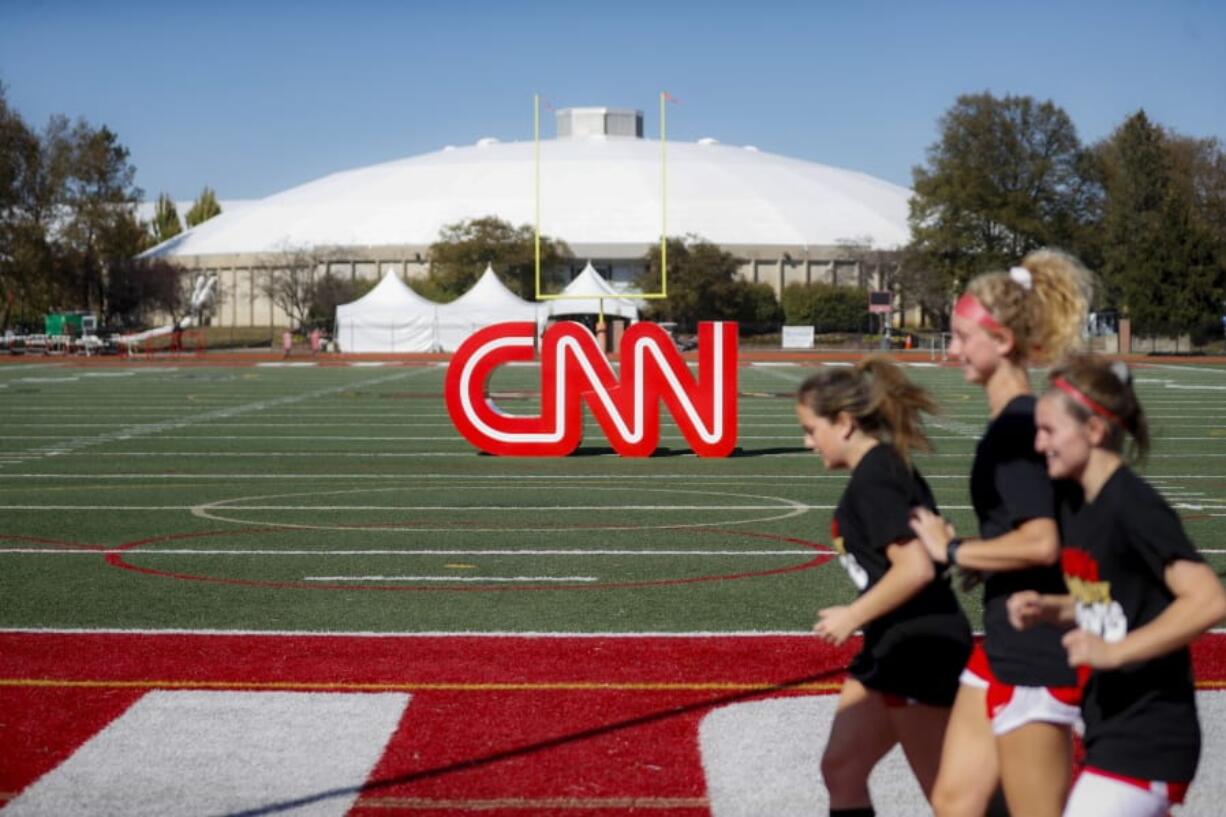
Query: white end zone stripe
(222, 752)
(764, 757)
(153, 631)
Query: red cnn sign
(574, 370)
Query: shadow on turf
(533, 748)
(607, 451)
(766, 452)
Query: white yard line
(524, 634)
(501, 477)
(564, 552)
(230, 506)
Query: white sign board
(798, 337)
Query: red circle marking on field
(38, 540)
(115, 558)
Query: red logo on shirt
(1079, 563)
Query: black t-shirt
(873, 513)
(1009, 485)
(1140, 719)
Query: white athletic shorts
(1012, 706)
(1097, 793)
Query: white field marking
(366, 508)
(316, 454)
(25, 367)
(468, 579)
(504, 477)
(764, 757)
(236, 425)
(157, 428)
(1218, 370)
(297, 415)
(66, 379)
(359, 423)
(456, 438)
(393, 634)
(20, 457)
(414, 553)
(1180, 416)
(119, 436)
(179, 631)
(1208, 792)
(222, 753)
(209, 510)
(1195, 388)
(287, 364)
(367, 364)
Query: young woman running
(1011, 722)
(1139, 593)
(866, 419)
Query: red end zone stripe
(471, 660)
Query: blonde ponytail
(1046, 310)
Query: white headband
(1023, 277)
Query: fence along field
(177, 536)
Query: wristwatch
(951, 551)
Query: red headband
(1087, 402)
(973, 310)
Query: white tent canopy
(389, 318)
(591, 294)
(394, 318)
(487, 302)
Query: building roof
(595, 190)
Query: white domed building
(600, 191)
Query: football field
(295, 589)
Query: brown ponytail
(1092, 384)
(1045, 317)
(878, 396)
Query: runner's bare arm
(910, 570)
(1029, 608)
(1034, 543)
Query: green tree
(166, 222)
(1006, 176)
(326, 292)
(1164, 246)
(703, 286)
(66, 200)
(22, 238)
(141, 289)
(465, 248)
(203, 209)
(100, 231)
(1135, 175)
(826, 307)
